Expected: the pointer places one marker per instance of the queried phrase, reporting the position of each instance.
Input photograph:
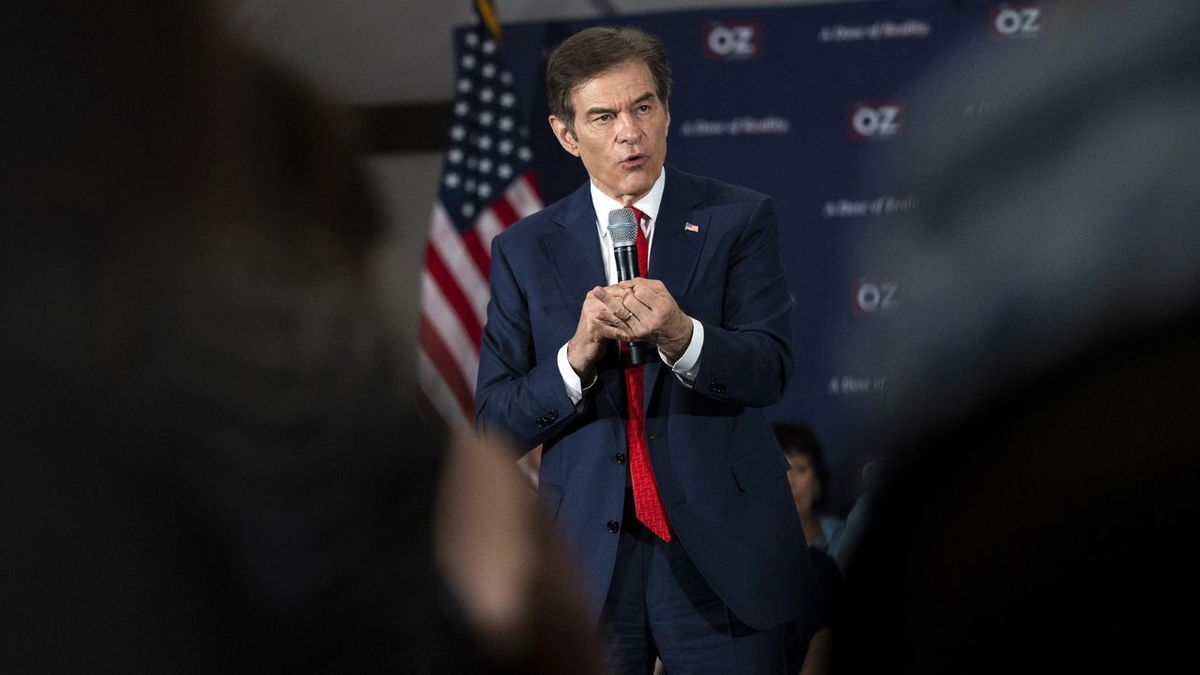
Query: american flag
(487, 184)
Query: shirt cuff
(575, 386)
(688, 365)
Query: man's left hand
(645, 311)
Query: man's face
(620, 131)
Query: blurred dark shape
(510, 573)
(210, 463)
(1039, 503)
(1049, 531)
(811, 637)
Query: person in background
(808, 476)
(812, 635)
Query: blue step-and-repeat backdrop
(803, 103)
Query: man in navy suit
(707, 562)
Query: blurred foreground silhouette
(1039, 504)
(209, 462)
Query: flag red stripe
(454, 294)
(531, 178)
(482, 177)
(437, 352)
(481, 257)
(505, 212)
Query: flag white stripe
(448, 243)
(487, 227)
(523, 198)
(449, 328)
(480, 170)
(439, 393)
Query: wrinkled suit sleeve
(746, 358)
(519, 393)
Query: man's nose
(628, 130)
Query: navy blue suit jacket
(719, 468)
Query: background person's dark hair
(594, 50)
(798, 438)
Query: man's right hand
(592, 336)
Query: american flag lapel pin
(688, 227)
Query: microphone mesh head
(622, 227)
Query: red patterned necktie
(646, 500)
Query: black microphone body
(622, 226)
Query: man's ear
(564, 135)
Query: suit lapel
(574, 250)
(675, 252)
(579, 266)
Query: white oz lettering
(745, 40)
(1010, 21)
(1029, 22)
(872, 296)
(889, 290)
(871, 121)
(868, 297)
(738, 40)
(865, 121)
(888, 124)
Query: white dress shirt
(688, 365)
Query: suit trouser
(660, 605)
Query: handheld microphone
(622, 228)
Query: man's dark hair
(594, 50)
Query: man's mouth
(633, 161)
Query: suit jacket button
(619, 458)
(717, 387)
(614, 526)
(552, 415)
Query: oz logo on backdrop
(732, 40)
(876, 120)
(1016, 21)
(874, 298)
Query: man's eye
(603, 118)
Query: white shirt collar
(649, 204)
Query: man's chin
(638, 181)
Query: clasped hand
(640, 310)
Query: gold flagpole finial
(489, 17)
